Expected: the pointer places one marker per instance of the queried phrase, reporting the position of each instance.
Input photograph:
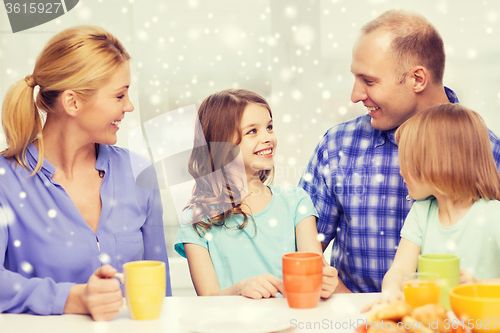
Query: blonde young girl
(238, 227)
(448, 167)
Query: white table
(340, 313)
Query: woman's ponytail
(21, 121)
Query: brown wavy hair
(447, 146)
(81, 59)
(214, 192)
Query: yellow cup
(145, 286)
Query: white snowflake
(297, 95)
(84, 13)
(155, 99)
(307, 177)
(492, 16)
(142, 35)
(7, 215)
(472, 53)
(104, 258)
(291, 12)
(52, 213)
(304, 35)
(451, 245)
(26, 267)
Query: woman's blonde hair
(447, 146)
(220, 117)
(81, 59)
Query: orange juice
(421, 292)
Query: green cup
(447, 266)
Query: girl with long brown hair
(236, 227)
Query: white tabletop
(340, 313)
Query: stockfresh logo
(26, 14)
(162, 147)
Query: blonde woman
(70, 211)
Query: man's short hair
(415, 42)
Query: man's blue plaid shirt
(353, 179)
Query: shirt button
(408, 197)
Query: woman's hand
(330, 280)
(260, 286)
(386, 297)
(101, 296)
(466, 277)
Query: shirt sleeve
(304, 207)
(495, 148)
(318, 180)
(187, 234)
(153, 235)
(18, 294)
(415, 222)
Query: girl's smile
(266, 153)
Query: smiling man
(353, 176)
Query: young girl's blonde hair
(220, 117)
(81, 59)
(447, 146)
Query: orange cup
(421, 289)
(302, 279)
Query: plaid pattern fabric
(353, 179)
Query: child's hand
(385, 298)
(261, 286)
(466, 277)
(330, 281)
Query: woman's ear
(420, 77)
(70, 102)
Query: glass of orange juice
(421, 289)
